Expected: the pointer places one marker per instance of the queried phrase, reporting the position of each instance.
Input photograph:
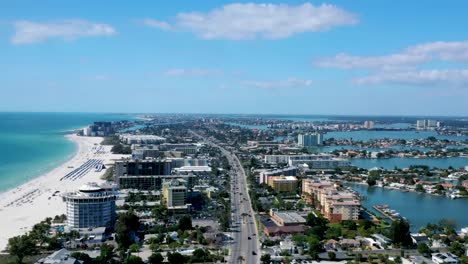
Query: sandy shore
(28, 204)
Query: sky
(361, 57)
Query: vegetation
(21, 246)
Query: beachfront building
(142, 167)
(90, 206)
(98, 129)
(283, 183)
(310, 139)
(335, 205)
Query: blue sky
(284, 57)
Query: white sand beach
(28, 204)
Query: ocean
(32, 144)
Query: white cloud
(289, 83)
(157, 24)
(240, 21)
(192, 72)
(27, 32)
(409, 57)
(417, 77)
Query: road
(246, 246)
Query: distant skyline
(249, 57)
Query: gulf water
(33, 143)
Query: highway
(246, 246)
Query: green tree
(400, 233)
(127, 224)
(424, 249)
(21, 246)
(265, 259)
(185, 223)
(134, 247)
(457, 248)
(176, 258)
(134, 260)
(331, 255)
(107, 252)
(83, 257)
(420, 188)
(156, 258)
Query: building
(141, 152)
(186, 148)
(335, 205)
(151, 182)
(445, 258)
(427, 124)
(368, 124)
(289, 171)
(174, 194)
(283, 183)
(99, 129)
(319, 161)
(134, 167)
(310, 139)
(61, 256)
(141, 139)
(276, 159)
(90, 206)
(197, 170)
(286, 218)
(313, 161)
(284, 223)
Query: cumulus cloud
(239, 21)
(288, 83)
(409, 57)
(418, 77)
(157, 24)
(192, 72)
(27, 32)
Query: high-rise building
(427, 124)
(369, 124)
(310, 139)
(90, 206)
(174, 193)
(143, 167)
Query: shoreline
(31, 202)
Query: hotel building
(90, 206)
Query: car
(254, 253)
(249, 238)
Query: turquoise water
(34, 143)
(456, 162)
(418, 208)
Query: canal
(418, 208)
